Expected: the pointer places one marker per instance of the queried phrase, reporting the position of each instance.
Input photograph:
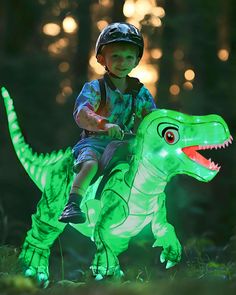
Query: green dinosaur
(167, 143)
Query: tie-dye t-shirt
(117, 108)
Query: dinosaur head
(172, 143)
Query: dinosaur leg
(45, 225)
(112, 236)
(35, 251)
(113, 212)
(165, 235)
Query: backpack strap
(134, 85)
(103, 95)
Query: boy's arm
(85, 106)
(89, 120)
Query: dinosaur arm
(165, 235)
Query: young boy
(119, 49)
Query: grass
(198, 273)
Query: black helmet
(120, 32)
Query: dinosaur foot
(40, 274)
(101, 273)
(34, 263)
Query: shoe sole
(72, 219)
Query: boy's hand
(114, 130)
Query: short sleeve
(89, 97)
(144, 103)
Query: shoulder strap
(103, 95)
(135, 85)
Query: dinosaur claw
(162, 258)
(170, 264)
(98, 277)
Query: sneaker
(72, 213)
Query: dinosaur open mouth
(191, 152)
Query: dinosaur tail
(36, 165)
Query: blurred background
(189, 64)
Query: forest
(189, 65)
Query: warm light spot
(107, 3)
(67, 90)
(135, 22)
(137, 9)
(174, 89)
(156, 21)
(60, 98)
(99, 69)
(223, 54)
(143, 7)
(156, 53)
(158, 11)
(56, 47)
(101, 24)
(189, 74)
(145, 73)
(65, 82)
(188, 85)
(129, 8)
(69, 24)
(51, 29)
(63, 42)
(178, 54)
(64, 67)
(52, 48)
(153, 89)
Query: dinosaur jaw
(192, 153)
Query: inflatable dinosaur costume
(167, 143)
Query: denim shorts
(90, 148)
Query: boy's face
(120, 58)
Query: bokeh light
(64, 67)
(156, 53)
(58, 46)
(129, 8)
(189, 75)
(69, 25)
(101, 24)
(223, 54)
(97, 68)
(158, 11)
(51, 29)
(188, 85)
(67, 90)
(106, 3)
(174, 89)
(146, 73)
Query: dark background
(196, 29)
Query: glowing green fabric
(166, 144)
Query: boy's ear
(101, 59)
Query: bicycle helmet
(120, 32)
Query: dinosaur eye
(170, 135)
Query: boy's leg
(72, 212)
